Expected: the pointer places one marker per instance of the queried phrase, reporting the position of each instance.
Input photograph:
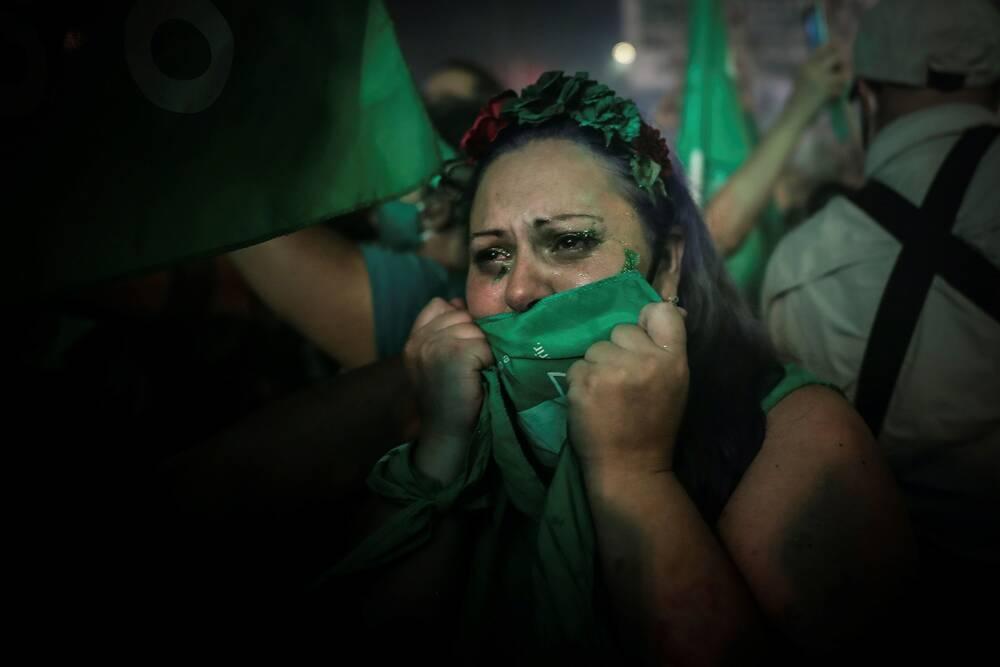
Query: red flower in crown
(650, 144)
(487, 126)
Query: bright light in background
(623, 53)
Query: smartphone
(818, 34)
(814, 22)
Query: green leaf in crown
(592, 104)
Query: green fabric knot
(421, 498)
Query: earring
(673, 300)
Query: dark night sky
(516, 39)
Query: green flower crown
(589, 104)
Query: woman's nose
(526, 284)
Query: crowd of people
(523, 412)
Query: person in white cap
(894, 293)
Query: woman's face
(547, 218)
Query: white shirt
(821, 292)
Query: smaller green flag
(716, 136)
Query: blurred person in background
(733, 169)
(737, 206)
(357, 301)
(892, 292)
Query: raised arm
(732, 212)
(317, 281)
(677, 596)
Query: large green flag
(716, 136)
(144, 132)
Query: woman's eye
(487, 255)
(575, 243)
(492, 261)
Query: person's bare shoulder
(816, 525)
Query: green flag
(150, 131)
(716, 136)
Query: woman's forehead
(541, 177)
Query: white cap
(946, 44)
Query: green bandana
(535, 349)
(554, 556)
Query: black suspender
(929, 249)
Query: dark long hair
(732, 364)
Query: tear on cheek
(504, 270)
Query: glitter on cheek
(631, 260)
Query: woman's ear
(668, 277)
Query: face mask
(535, 349)
(399, 225)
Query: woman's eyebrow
(538, 222)
(567, 216)
(488, 232)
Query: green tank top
(795, 377)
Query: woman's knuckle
(611, 378)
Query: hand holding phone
(817, 36)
